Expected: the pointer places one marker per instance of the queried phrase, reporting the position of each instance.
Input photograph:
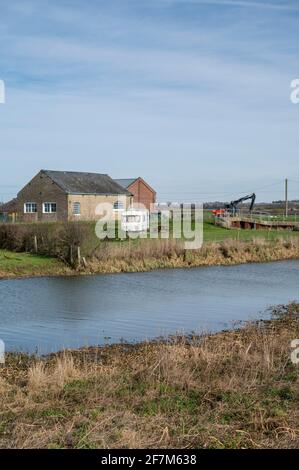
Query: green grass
(13, 264)
(215, 233)
(10, 260)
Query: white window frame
(117, 209)
(30, 204)
(77, 204)
(51, 209)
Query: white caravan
(135, 220)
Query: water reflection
(52, 313)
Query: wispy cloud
(127, 85)
(274, 5)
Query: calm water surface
(48, 314)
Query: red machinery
(232, 208)
(218, 212)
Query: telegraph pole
(286, 198)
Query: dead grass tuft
(145, 255)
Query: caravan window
(133, 218)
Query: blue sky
(192, 95)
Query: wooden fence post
(35, 244)
(71, 255)
(79, 255)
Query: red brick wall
(142, 193)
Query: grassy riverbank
(146, 255)
(25, 265)
(160, 254)
(235, 389)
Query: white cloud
(241, 3)
(115, 91)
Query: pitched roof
(9, 207)
(74, 182)
(126, 182)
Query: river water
(48, 314)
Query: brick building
(8, 211)
(142, 192)
(64, 195)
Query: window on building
(49, 207)
(118, 205)
(30, 207)
(76, 208)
